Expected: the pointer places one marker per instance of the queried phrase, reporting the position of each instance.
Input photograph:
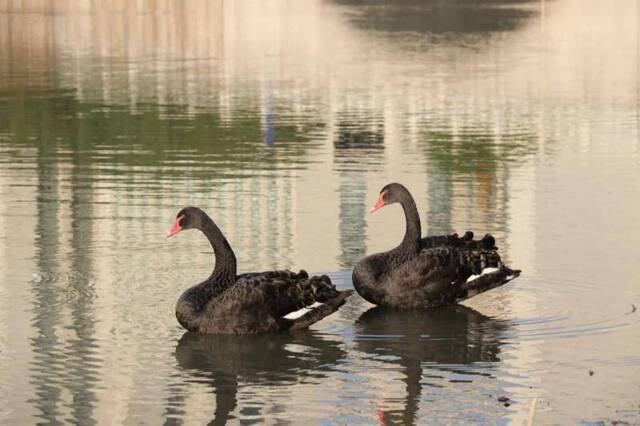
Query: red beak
(379, 203)
(175, 228)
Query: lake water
(283, 120)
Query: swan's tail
(315, 314)
(299, 291)
(303, 300)
(488, 279)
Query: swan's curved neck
(191, 305)
(413, 232)
(225, 259)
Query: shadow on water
(226, 362)
(448, 340)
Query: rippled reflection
(47, 316)
(283, 120)
(450, 340)
(66, 359)
(358, 145)
(226, 363)
(472, 163)
(440, 18)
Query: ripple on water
(559, 320)
(64, 288)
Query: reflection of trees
(358, 143)
(439, 17)
(64, 364)
(446, 338)
(47, 317)
(480, 162)
(147, 148)
(167, 134)
(225, 362)
(82, 363)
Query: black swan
(428, 272)
(256, 302)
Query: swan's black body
(227, 303)
(427, 272)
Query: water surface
(283, 120)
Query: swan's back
(439, 274)
(259, 302)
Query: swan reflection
(433, 349)
(227, 362)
